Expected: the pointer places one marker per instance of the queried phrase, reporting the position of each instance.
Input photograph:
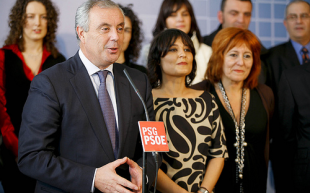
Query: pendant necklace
(240, 129)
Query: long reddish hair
(224, 41)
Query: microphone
(155, 154)
(138, 93)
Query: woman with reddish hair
(245, 107)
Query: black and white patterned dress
(194, 133)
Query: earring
(188, 80)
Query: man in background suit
(294, 113)
(235, 13)
(279, 58)
(66, 141)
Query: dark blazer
(63, 136)
(209, 38)
(294, 114)
(278, 59)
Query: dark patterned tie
(108, 111)
(305, 56)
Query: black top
(254, 172)
(17, 84)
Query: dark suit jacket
(209, 38)
(63, 136)
(294, 114)
(278, 59)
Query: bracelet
(203, 190)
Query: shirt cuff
(93, 184)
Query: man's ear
(285, 23)
(220, 16)
(80, 32)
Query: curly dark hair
(17, 21)
(160, 47)
(134, 47)
(167, 8)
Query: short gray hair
(82, 13)
(295, 1)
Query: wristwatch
(203, 190)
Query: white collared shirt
(94, 77)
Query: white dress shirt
(94, 77)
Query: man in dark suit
(294, 113)
(278, 59)
(233, 13)
(79, 129)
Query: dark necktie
(108, 111)
(305, 56)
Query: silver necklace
(240, 129)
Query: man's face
(236, 14)
(297, 22)
(103, 42)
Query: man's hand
(106, 179)
(136, 174)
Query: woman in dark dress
(245, 106)
(193, 125)
(28, 49)
(133, 38)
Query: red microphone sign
(153, 136)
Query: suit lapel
(84, 90)
(291, 54)
(307, 67)
(123, 100)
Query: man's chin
(240, 27)
(112, 60)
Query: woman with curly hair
(132, 39)
(28, 50)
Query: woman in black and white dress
(195, 133)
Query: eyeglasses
(294, 17)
